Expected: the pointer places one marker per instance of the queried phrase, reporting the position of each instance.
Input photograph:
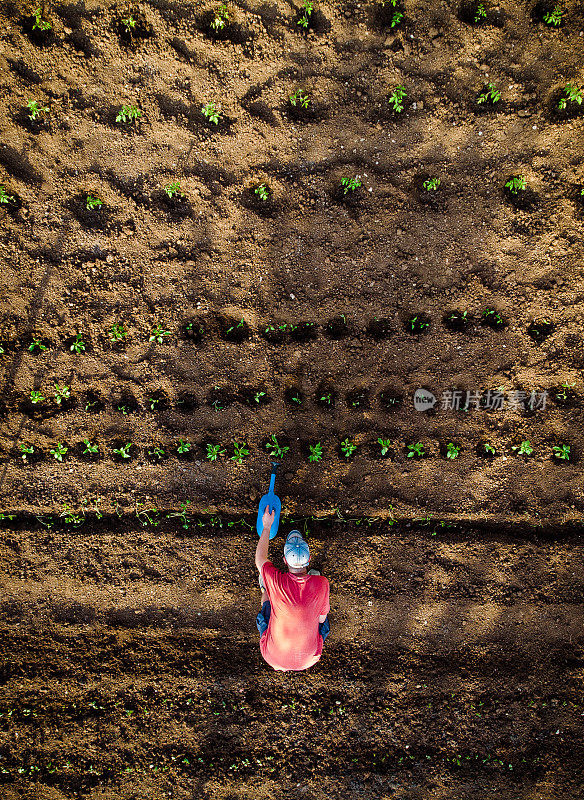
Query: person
(293, 621)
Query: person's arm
(326, 605)
(261, 554)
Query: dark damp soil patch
(297, 109)
(125, 403)
(219, 398)
(187, 401)
(379, 328)
(352, 198)
(294, 396)
(565, 396)
(326, 396)
(100, 217)
(539, 330)
(254, 396)
(381, 15)
(316, 22)
(156, 401)
(275, 332)
(491, 318)
(23, 70)
(479, 13)
(176, 205)
(358, 399)
(67, 404)
(563, 104)
(457, 320)
(92, 402)
(390, 399)
(417, 323)
(337, 327)
(42, 37)
(131, 26)
(230, 31)
(233, 329)
(303, 331)
(33, 124)
(521, 199)
(431, 198)
(194, 329)
(259, 197)
(36, 410)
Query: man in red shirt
(293, 622)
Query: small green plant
(563, 392)
(6, 199)
(262, 192)
(128, 114)
(183, 447)
(523, 449)
(350, 184)
(396, 19)
(40, 23)
(431, 184)
(92, 202)
(90, 448)
(307, 9)
(348, 448)
(173, 190)
(452, 450)
(158, 334)
(36, 343)
(240, 324)
(572, 94)
(258, 396)
(36, 397)
(490, 94)
(417, 324)
(123, 451)
(327, 399)
(156, 452)
(123, 409)
(26, 450)
(554, 17)
(78, 345)
(516, 184)
(300, 98)
(274, 449)
(214, 451)
(489, 449)
(493, 318)
(58, 451)
(480, 13)
(220, 19)
(315, 452)
(396, 97)
(70, 516)
(295, 397)
(415, 450)
(35, 110)
(211, 113)
(129, 24)
(385, 445)
(117, 332)
(153, 402)
(61, 393)
(240, 451)
(562, 452)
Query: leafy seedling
(262, 192)
(315, 452)
(480, 13)
(488, 449)
(348, 448)
(156, 453)
(211, 113)
(40, 24)
(117, 332)
(173, 190)
(490, 94)
(58, 451)
(90, 448)
(128, 114)
(61, 393)
(129, 24)
(240, 451)
(295, 397)
(572, 94)
(327, 399)
(452, 450)
(220, 19)
(523, 449)
(92, 202)
(78, 345)
(35, 110)
(158, 334)
(36, 343)
(258, 396)
(564, 391)
(235, 328)
(350, 184)
(26, 450)
(492, 318)
(431, 184)
(307, 9)
(562, 452)
(183, 447)
(385, 445)
(123, 451)
(6, 199)
(553, 17)
(417, 324)
(396, 97)
(415, 450)
(540, 329)
(396, 19)
(274, 449)
(300, 98)
(214, 451)
(36, 397)
(516, 184)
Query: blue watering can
(271, 500)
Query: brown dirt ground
(122, 676)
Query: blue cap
(296, 550)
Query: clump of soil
(92, 402)
(337, 327)
(219, 397)
(379, 328)
(187, 401)
(303, 331)
(125, 403)
(294, 396)
(194, 330)
(539, 330)
(358, 398)
(131, 26)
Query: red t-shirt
(292, 640)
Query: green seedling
(117, 332)
(480, 13)
(488, 448)
(396, 19)
(573, 94)
(89, 447)
(240, 451)
(307, 8)
(415, 450)
(490, 94)
(6, 198)
(274, 449)
(183, 447)
(220, 19)
(452, 450)
(211, 113)
(123, 451)
(58, 451)
(92, 202)
(300, 98)
(562, 452)
(396, 97)
(262, 191)
(350, 184)
(214, 451)
(182, 515)
(240, 324)
(153, 402)
(36, 397)
(431, 184)
(40, 24)
(554, 17)
(562, 394)
(26, 450)
(36, 343)
(158, 334)
(516, 184)
(61, 393)
(348, 448)
(35, 109)
(385, 445)
(295, 398)
(492, 317)
(156, 452)
(129, 24)
(258, 396)
(315, 452)
(78, 345)
(418, 324)
(128, 114)
(123, 409)
(523, 449)
(326, 398)
(70, 517)
(90, 404)
(173, 190)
